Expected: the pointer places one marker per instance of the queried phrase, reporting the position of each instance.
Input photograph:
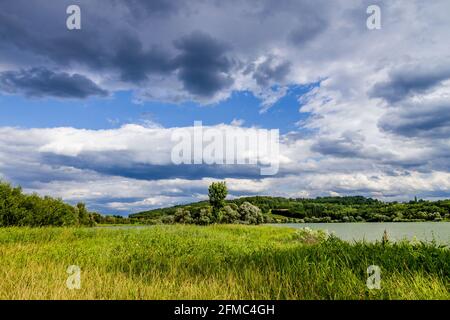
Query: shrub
(167, 219)
(202, 215)
(229, 215)
(250, 213)
(183, 216)
(309, 236)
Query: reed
(214, 262)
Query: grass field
(215, 262)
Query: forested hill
(327, 209)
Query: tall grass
(215, 262)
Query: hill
(325, 209)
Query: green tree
(217, 193)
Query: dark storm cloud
(39, 82)
(411, 79)
(421, 119)
(203, 66)
(124, 165)
(199, 60)
(136, 63)
(271, 72)
(124, 54)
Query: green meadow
(214, 262)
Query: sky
(88, 115)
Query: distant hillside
(328, 209)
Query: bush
(205, 217)
(183, 216)
(229, 215)
(309, 236)
(201, 215)
(250, 213)
(167, 219)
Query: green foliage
(19, 209)
(183, 216)
(218, 212)
(217, 193)
(194, 215)
(167, 219)
(250, 213)
(204, 215)
(331, 209)
(229, 214)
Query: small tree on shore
(217, 193)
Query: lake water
(424, 231)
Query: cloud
(153, 59)
(40, 82)
(121, 51)
(411, 79)
(271, 71)
(203, 66)
(308, 28)
(125, 165)
(165, 66)
(345, 146)
(237, 122)
(136, 64)
(131, 151)
(429, 118)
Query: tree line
(352, 209)
(20, 209)
(321, 209)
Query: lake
(371, 231)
